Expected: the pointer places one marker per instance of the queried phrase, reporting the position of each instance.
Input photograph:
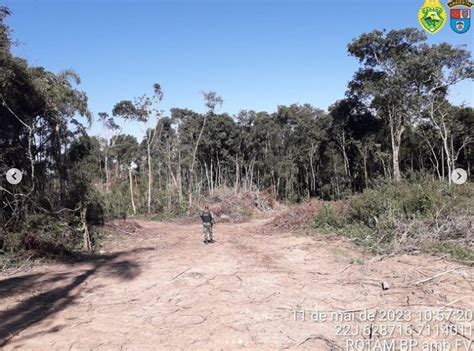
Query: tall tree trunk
(237, 176)
(396, 163)
(209, 184)
(86, 243)
(436, 162)
(442, 163)
(131, 191)
(252, 166)
(396, 136)
(106, 164)
(366, 175)
(383, 167)
(313, 175)
(212, 176)
(191, 174)
(173, 177)
(218, 172)
(180, 178)
(149, 173)
(445, 138)
(448, 159)
(57, 155)
(344, 155)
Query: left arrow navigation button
(14, 176)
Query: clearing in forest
(160, 287)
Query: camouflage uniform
(207, 223)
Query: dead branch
(180, 274)
(251, 335)
(435, 276)
(350, 264)
(20, 268)
(332, 345)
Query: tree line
(395, 121)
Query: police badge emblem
(432, 16)
(460, 14)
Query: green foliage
(328, 219)
(42, 230)
(401, 200)
(117, 201)
(358, 261)
(40, 236)
(174, 211)
(426, 216)
(128, 110)
(457, 251)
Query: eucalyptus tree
(356, 132)
(64, 105)
(442, 66)
(110, 130)
(144, 110)
(211, 101)
(386, 80)
(187, 123)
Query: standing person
(207, 222)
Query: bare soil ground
(162, 288)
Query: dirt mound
(239, 207)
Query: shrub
(427, 216)
(117, 201)
(456, 251)
(47, 235)
(398, 201)
(329, 218)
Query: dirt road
(162, 288)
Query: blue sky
(256, 54)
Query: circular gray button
(14, 176)
(459, 176)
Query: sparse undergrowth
(428, 217)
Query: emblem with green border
(432, 16)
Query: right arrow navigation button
(459, 176)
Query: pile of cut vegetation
(303, 215)
(230, 206)
(124, 226)
(44, 237)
